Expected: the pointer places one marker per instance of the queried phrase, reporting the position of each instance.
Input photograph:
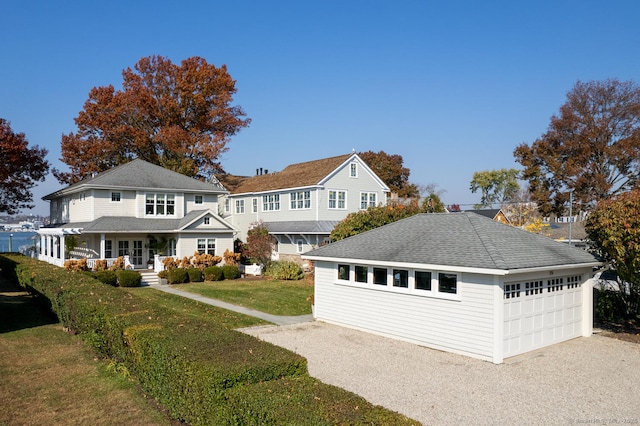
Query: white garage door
(541, 312)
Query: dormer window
(157, 204)
(353, 170)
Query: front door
(136, 253)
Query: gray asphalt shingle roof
(455, 239)
(141, 174)
(301, 227)
(136, 224)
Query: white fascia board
(553, 268)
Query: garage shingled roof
(455, 239)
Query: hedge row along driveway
(200, 370)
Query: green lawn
(276, 297)
(50, 377)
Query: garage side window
(361, 273)
(423, 280)
(343, 272)
(380, 276)
(447, 283)
(401, 278)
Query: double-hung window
(353, 170)
(115, 197)
(367, 199)
(300, 200)
(157, 204)
(239, 206)
(337, 199)
(254, 205)
(271, 202)
(198, 199)
(207, 245)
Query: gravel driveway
(592, 380)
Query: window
(172, 247)
(207, 221)
(423, 280)
(343, 272)
(271, 202)
(239, 206)
(367, 199)
(337, 199)
(82, 196)
(300, 200)
(447, 283)
(108, 249)
(401, 278)
(380, 276)
(123, 248)
(198, 199)
(207, 245)
(511, 291)
(353, 172)
(160, 204)
(115, 197)
(299, 246)
(361, 273)
(254, 205)
(227, 205)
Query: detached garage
(458, 282)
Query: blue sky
(452, 86)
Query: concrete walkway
(275, 319)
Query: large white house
(301, 204)
(136, 210)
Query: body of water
(19, 241)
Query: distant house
(495, 214)
(457, 282)
(130, 211)
(301, 204)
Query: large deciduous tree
(21, 168)
(496, 186)
(177, 116)
(391, 170)
(592, 147)
(614, 229)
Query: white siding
(188, 243)
(463, 326)
(81, 207)
(103, 206)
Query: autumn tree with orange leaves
(592, 147)
(21, 168)
(180, 117)
(390, 168)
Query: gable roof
(298, 175)
(140, 174)
(461, 240)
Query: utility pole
(570, 214)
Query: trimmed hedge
(127, 278)
(201, 371)
(195, 275)
(231, 272)
(177, 276)
(213, 273)
(107, 277)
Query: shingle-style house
(301, 204)
(123, 211)
(458, 282)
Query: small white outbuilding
(458, 282)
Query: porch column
(42, 246)
(56, 248)
(62, 248)
(102, 246)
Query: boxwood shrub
(177, 276)
(230, 272)
(213, 273)
(129, 278)
(195, 275)
(107, 277)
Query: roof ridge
(486, 240)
